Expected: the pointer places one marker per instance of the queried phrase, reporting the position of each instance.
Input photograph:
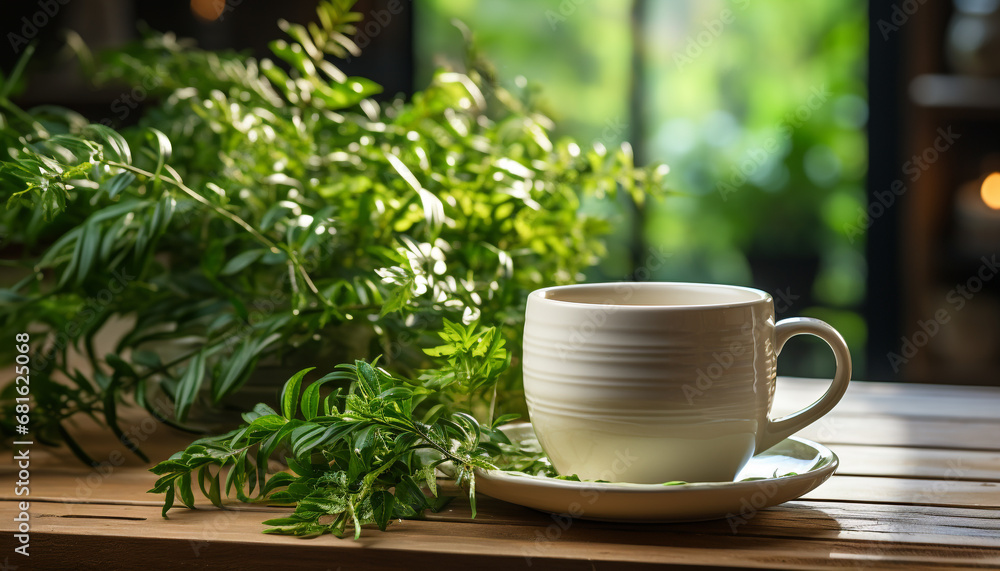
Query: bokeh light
(990, 191)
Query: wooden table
(918, 487)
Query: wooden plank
(123, 485)
(916, 523)
(970, 465)
(204, 538)
(904, 491)
(113, 552)
(892, 399)
(812, 519)
(895, 431)
(926, 477)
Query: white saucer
(812, 464)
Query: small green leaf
(382, 504)
(311, 398)
(113, 144)
(364, 438)
(290, 393)
(168, 501)
(408, 494)
(241, 261)
(118, 183)
(163, 149)
(278, 480)
(214, 493)
(270, 444)
(302, 467)
(305, 437)
(504, 419)
(368, 379)
(267, 423)
(428, 474)
(184, 487)
(235, 368)
(86, 252)
(189, 385)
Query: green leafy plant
(263, 213)
(353, 459)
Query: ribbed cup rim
(759, 296)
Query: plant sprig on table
(355, 458)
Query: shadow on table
(791, 519)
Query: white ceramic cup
(655, 382)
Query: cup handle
(777, 430)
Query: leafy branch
(355, 458)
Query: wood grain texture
(943, 433)
(974, 465)
(129, 488)
(776, 538)
(893, 399)
(904, 491)
(918, 488)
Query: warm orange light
(208, 9)
(991, 191)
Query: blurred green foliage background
(759, 108)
